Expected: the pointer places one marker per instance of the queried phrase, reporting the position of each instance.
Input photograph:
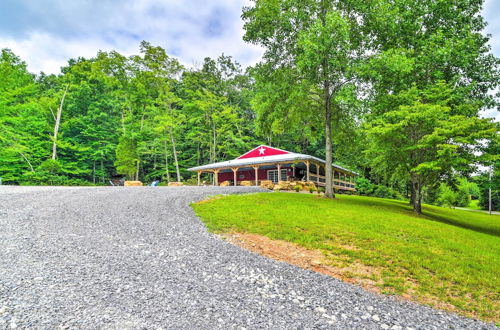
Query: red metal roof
(263, 151)
(267, 155)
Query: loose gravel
(139, 258)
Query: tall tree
(23, 126)
(57, 123)
(159, 73)
(308, 67)
(429, 138)
(418, 45)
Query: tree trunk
(167, 173)
(57, 123)
(416, 188)
(328, 144)
(412, 194)
(123, 120)
(175, 156)
(102, 171)
(328, 113)
(215, 143)
(417, 204)
(137, 171)
(27, 161)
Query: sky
(46, 33)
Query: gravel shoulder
(138, 257)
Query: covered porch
(306, 170)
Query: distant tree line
(392, 89)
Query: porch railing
(339, 184)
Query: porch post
(279, 172)
(256, 168)
(307, 170)
(293, 169)
(216, 177)
(199, 174)
(317, 174)
(235, 169)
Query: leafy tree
(159, 72)
(218, 114)
(485, 184)
(490, 179)
(307, 73)
(421, 44)
(126, 156)
(429, 138)
(447, 196)
(22, 123)
(465, 191)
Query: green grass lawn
(447, 258)
(474, 205)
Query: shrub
(297, 188)
(312, 189)
(51, 166)
(45, 178)
(191, 182)
(364, 186)
(465, 191)
(382, 192)
(321, 190)
(447, 197)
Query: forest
(393, 90)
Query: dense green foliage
(306, 79)
(447, 258)
(401, 80)
(144, 116)
(398, 102)
(366, 188)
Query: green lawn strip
(449, 256)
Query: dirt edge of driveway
(356, 273)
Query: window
(273, 175)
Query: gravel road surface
(138, 258)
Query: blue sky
(46, 33)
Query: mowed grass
(446, 258)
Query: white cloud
(56, 31)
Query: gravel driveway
(138, 257)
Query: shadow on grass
(428, 214)
(435, 216)
(382, 203)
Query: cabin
(268, 163)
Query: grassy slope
(448, 258)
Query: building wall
(248, 175)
